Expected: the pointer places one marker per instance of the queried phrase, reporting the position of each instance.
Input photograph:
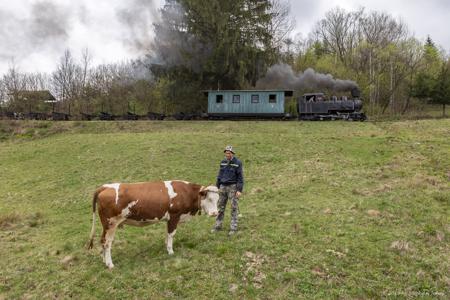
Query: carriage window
(255, 98)
(236, 99)
(272, 98)
(219, 98)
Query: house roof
(287, 93)
(44, 95)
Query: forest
(243, 44)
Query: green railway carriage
(247, 103)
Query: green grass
(330, 210)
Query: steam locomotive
(315, 107)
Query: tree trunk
(405, 108)
(391, 99)
(384, 107)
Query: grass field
(330, 210)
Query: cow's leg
(105, 225)
(170, 236)
(171, 230)
(103, 241)
(109, 239)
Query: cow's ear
(203, 192)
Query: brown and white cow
(146, 203)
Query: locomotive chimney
(356, 93)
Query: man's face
(228, 155)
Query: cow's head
(209, 196)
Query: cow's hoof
(170, 252)
(110, 266)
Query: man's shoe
(214, 230)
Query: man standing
(230, 181)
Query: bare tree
(86, 59)
(339, 32)
(381, 29)
(13, 83)
(84, 91)
(64, 77)
(3, 93)
(36, 81)
(282, 23)
(113, 84)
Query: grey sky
(35, 32)
(430, 17)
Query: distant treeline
(194, 50)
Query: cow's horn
(212, 189)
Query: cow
(141, 204)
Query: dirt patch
(336, 253)
(373, 213)
(424, 181)
(360, 192)
(13, 220)
(440, 236)
(252, 273)
(68, 261)
(401, 246)
(10, 220)
(327, 211)
(320, 272)
(233, 287)
(383, 188)
(35, 219)
(256, 191)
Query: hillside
(330, 210)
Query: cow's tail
(94, 208)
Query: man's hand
(238, 194)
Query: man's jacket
(230, 172)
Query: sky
(35, 33)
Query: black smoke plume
(282, 76)
(137, 17)
(175, 47)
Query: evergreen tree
(219, 43)
(423, 86)
(441, 90)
